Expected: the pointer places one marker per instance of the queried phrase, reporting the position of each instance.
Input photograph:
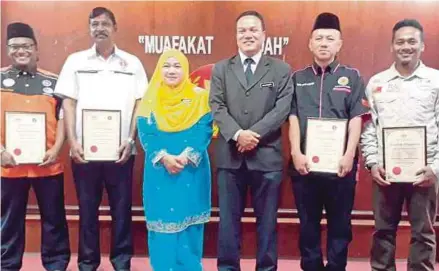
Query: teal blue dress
(176, 205)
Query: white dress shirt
(256, 58)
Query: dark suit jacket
(262, 107)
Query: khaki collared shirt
(397, 101)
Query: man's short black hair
(408, 22)
(98, 11)
(252, 13)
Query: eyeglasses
(16, 47)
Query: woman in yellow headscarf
(175, 128)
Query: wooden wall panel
(288, 238)
(62, 28)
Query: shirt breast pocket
(338, 97)
(88, 81)
(423, 97)
(308, 98)
(124, 81)
(386, 103)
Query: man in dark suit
(250, 99)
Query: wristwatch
(131, 141)
(370, 166)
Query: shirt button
(245, 112)
(247, 94)
(27, 101)
(172, 209)
(27, 85)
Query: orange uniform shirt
(31, 92)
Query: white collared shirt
(103, 84)
(397, 101)
(256, 58)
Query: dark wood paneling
(288, 229)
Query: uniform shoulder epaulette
(301, 70)
(348, 67)
(47, 73)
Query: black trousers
(264, 188)
(55, 247)
(312, 193)
(90, 180)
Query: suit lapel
(262, 68)
(239, 71)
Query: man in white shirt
(102, 78)
(405, 95)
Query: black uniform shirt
(335, 93)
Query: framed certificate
(325, 143)
(25, 137)
(404, 152)
(101, 131)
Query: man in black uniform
(326, 89)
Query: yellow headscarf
(174, 109)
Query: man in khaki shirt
(406, 94)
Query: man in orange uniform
(25, 88)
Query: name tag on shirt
(305, 84)
(267, 84)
